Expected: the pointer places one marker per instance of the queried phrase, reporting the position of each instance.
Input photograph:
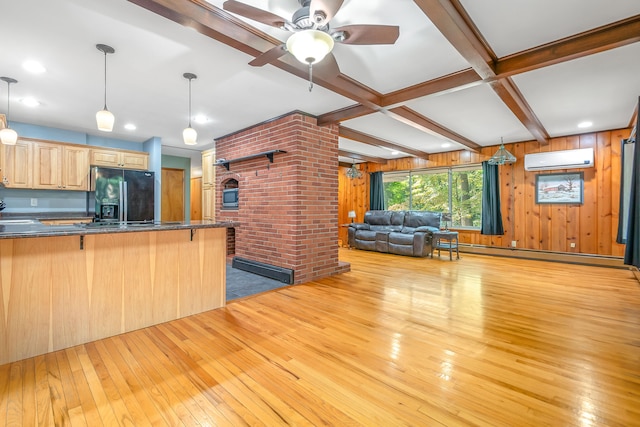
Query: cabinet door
(208, 170)
(134, 160)
(17, 161)
(108, 158)
(75, 168)
(208, 211)
(47, 166)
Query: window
(455, 190)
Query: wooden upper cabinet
(208, 169)
(17, 162)
(60, 167)
(119, 158)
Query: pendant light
(104, 117)
(189, 134)
(8, 136)
(502, 156)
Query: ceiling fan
(313, 39)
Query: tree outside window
(458, 191)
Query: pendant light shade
(189, 134)
(7, 135)
(353, 172)
(104, 117)
(502, 156)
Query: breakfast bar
(64, 285)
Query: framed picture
(560, 188)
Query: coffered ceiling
(463, 74)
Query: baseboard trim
(586, 259)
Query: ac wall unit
(565, 159)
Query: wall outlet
(514, 243)
(573, 245)
(34, 202)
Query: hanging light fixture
(104, 117)
(353, 172)
(310, 47)
(502, 156)
(8, 136)
(189, 134)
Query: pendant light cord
(8, 102)
(105, 79)
(190, 102)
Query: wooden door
(172, 194)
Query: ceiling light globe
(310, 46)
(105, 120)
(190, 136)
(8, 136)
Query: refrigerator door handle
(120, 202)
(125, 198)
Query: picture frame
(560, 188)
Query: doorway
(172, 194)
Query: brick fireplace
(288, 208)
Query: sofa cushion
(387, 228)
(401, 239)
(416, 219)
(378, 217)
(366, 235)
(424, 228)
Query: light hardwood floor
(482, 341)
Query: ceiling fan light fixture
(310, 46)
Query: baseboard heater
(284, 275)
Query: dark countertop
(16, 228)
(47, 215)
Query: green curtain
(376, 192)
(491, 214)
(632, 250)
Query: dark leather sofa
(395, 232)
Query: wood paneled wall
(592, 226)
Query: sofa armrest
(427, 228)
(359, 226)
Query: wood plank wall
(592, 226)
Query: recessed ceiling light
(446, 145)
(33, 67)
(585, 124)
(130, 126)
(30, 102)
(200, 119)
(395, 153)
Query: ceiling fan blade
(368, 34)
(327, 68)
(321, 11)
(254, 13)
(269, 56)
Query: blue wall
(19, 201)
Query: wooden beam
(343, 114)
(419, 121)
(455, 24)
(357, 156)
(511, 96)
(364, 138)
(620, 33)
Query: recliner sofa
(395, 232)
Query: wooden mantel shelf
(267, 154)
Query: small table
(446, 240)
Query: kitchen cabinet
(208, 185)
(60, 167)
(16, 164)
(119, 158)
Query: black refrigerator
(123, 195)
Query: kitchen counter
(65, 285)
(16, 227)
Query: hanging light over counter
(104, 117)
(7, 135)
(189, 134)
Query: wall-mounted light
(104, 117)
(189, 134)
(7, 135)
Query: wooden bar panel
(56, 295)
